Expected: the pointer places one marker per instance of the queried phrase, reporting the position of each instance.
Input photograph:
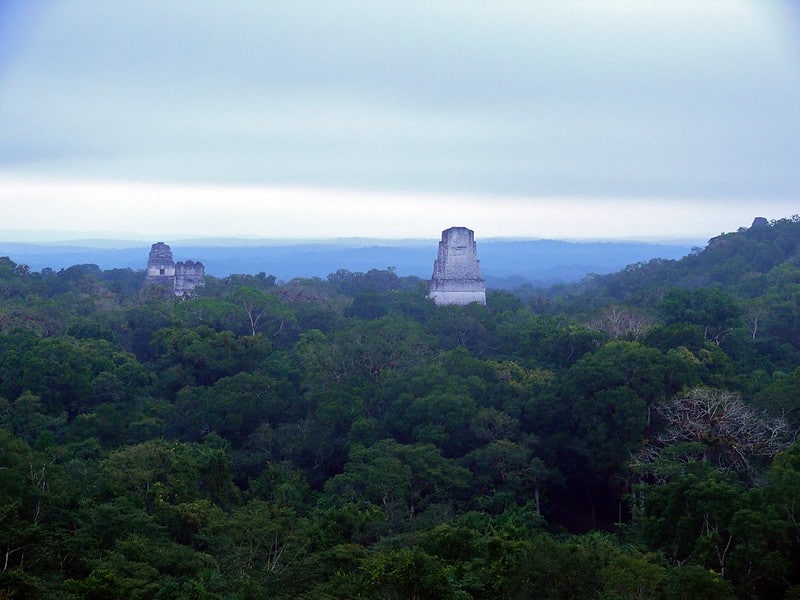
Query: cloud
(496, 100)
(167, 211)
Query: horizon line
(62, 238)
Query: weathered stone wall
(181, 278)
(456, 271)
(160, 265)
(188, 275)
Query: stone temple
(456, 270)
(181, 277)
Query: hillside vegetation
(631, 436)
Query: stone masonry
(456, 271)
(181, 277)
(188, 275)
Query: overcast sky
(630, 119)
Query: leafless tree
(618, 321)
(733, 433)
(753, 319)
(254, 313)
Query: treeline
(628, 437)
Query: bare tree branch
(732, 433)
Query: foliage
(627, 437)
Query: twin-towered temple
(181, 277)
(456, 271)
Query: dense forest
(631, 436)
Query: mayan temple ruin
(181, 277)
(456, 272)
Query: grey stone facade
(181, 277)
(188, 275)
(456, 271)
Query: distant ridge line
(503, 263)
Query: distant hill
(748, 263)
(504, 263)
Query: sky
(303, 119)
